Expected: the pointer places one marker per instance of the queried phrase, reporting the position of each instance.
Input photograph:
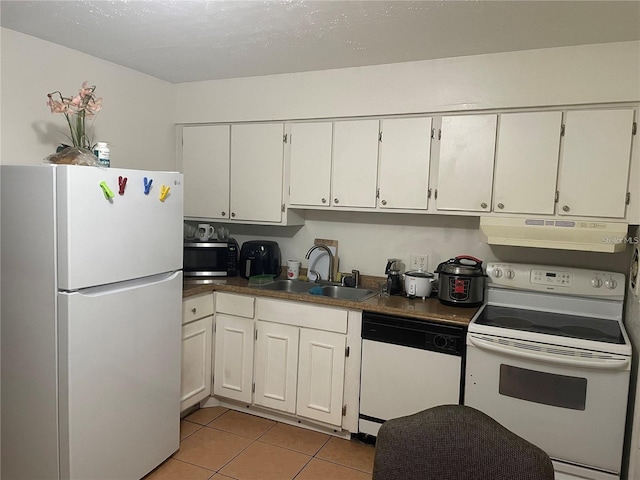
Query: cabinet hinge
(346, 351)
(256, 334)
(253, 387)
(628, 199)
(435, 194)
(557, 196)
(429, 193)
(634, 128)
(377, 193)
(379, 136)
(284, 138)
(439, 134)
(562, 130)
(344, 410)
(433, 133)
(282, 208)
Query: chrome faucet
(328, 250)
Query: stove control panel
(548, 278)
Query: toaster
(259, 257)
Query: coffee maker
(394, 285)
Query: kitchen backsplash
(366, 240)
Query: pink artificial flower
(86, 89)
(56, 106)
(93, 106)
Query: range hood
(588, 236)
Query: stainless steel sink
(290, 286)
(347, 293)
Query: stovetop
(563, 325)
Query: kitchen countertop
(427, 309)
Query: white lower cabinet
(195, 379)
(321, 375)
(300, 362)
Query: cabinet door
(256, 172)
(355, 163)
(321, 375)
(195, 381)
(205, 165)
(465, 169)
(527, 152)
(310, 164)
(594, 168)
(276, 366)
(405, 154)
(233, 371)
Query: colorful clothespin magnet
(147, 185)
(164, 191)
(108, 194)
(122, 183)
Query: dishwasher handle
(511, 348)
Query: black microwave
(211, 259)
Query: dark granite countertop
(422, 309)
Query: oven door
(571, 403)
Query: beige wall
(138, 110)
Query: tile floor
(221, 444)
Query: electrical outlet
(419, 261)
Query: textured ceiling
(182, 41)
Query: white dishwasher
(408, 365)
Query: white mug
(205, 232)
(293, 269)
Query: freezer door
(119, 378)
(131, 235)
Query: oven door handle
(549, 357)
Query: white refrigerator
(91, 286)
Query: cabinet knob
(566, 208)
(501, 205)
(324, 200)
(224, 214)
(233, 214)
(335, 200)
(384, 202)
(483, 205)
(193, 310)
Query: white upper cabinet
(527, 152)
(205, 165)
(594, 166)
(465, 169)
(310, 183)
(257, 172)
(405, 155)
(355, 163)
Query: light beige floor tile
(210, 448)
(262, 461)
(322, 470)
(242, 424)
(203, 416)
(349, 453)
(295, 438)
(175, 469)
(187, 428)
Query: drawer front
(231, 304)
(197, 307)
(302, 315)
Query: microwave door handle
(548, 357)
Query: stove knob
(509, 274)
(596, 282)
(610, 284)
(496, 273)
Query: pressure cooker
(461, 282)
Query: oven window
(541, 387)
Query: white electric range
(548, 357)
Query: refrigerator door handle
(126, 285)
